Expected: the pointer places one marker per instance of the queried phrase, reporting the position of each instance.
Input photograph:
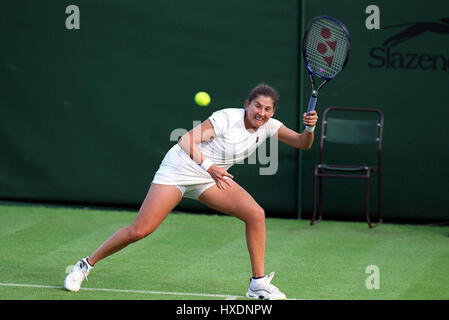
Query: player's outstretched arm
(189, 143)
(297, 140)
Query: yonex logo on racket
(324, 46)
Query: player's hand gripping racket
(326, 46)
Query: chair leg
(367, 202)
(379, 195)
(312, 222)
(321, 199)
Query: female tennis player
(197, 167)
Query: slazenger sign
(390, 57)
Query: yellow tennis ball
(202, 98)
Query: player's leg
(237, 202)
(159, 202)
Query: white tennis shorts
(194, 191)
(177, 169)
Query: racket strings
(326, 47)
(327, 62)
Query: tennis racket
(326, 47)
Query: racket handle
(312, 103)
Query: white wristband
(310, 129)
(206, 164)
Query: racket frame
(315, 90)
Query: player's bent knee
(261, 215)
(257, 215)
(136, 234)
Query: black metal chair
(349, 129)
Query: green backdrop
(413, 95)
(86, 115)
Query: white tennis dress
(232, 143)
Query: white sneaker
(75, 278)
(263, 289)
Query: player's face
(258, 112)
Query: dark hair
(263, 90)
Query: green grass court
(194, 256)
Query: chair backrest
(350, 128)
(351, 131)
